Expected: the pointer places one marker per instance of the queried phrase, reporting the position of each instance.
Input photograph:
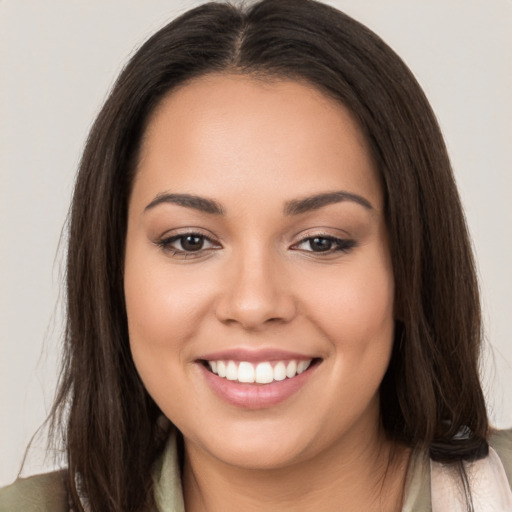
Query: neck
(345, 477)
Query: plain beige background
(58, 59)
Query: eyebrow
(188, 201)
(293, 207)
(298, 206)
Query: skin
(252, 146)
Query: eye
(187, 244)
(324, 244)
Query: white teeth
(262, 373)
(291, 369)
(279, 371)
(231, 371)
(245, 372)
(302, 366)
(221, 369)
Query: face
(259, 288)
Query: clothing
(46, 493)
(490, 489)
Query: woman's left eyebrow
(298, 206)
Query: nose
(255, 293)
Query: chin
(257, 456)
(258, 444)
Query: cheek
(167, 309)
(357, 318)
(354, 307)
(162, 310)
(162, 304)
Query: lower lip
(256, 396)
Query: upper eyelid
(179, 232)
(329, 232)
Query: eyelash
(343, 245)
(340, 245)
(166, 245)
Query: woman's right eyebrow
(202, 204)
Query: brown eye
(325, 245)
(191, 242)
(188, 244)
(319, 244)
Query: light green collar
(169, 494)
(167, 479)
(417, 484)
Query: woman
(265, 308)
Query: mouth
(257, 384)
(264, 372)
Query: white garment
(488, 484)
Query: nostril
(254, 302)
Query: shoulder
(40, 493)
(501, 442)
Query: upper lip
(254, 356)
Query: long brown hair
(431, 395)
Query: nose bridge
(256, 292)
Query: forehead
(234, 133)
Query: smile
(257, 380)
(264, 372)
